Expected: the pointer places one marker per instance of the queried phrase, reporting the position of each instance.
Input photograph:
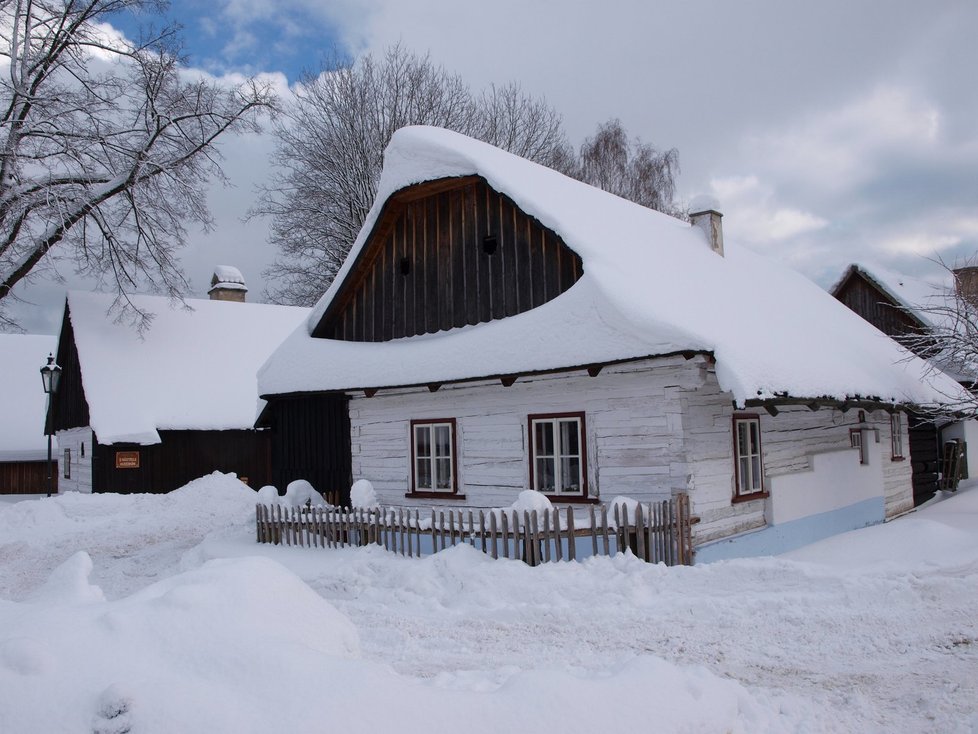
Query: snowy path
(876, 631)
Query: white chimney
(227, 284)
(704, 212)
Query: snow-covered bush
(363, 495)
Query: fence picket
(657, 532)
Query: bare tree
(631, 169)
(330, 150)
(106, 144)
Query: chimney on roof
(227, 284)
(704, 212)
(966, 284)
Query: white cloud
(753, 214)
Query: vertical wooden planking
(497, 287)
(471, 530)
(558, 548)
(457, 253)
(470, 253)
(505, 533)
(494, 538)
(507, 249)
(522, 232)
(398, 278)
(546, 536)
(431, 315)
(640, 533)
(517, 553)
(594, 532)
(482, 529)
(451, 528)
(530, 537)
(571, 536)
(446, 267)
(604, 527)
(537, 248)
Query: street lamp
(50, 377)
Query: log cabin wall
(447, 254)
(27, 477)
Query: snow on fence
(658, 532)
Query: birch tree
(331, 143)
(105, 144)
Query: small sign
(126, 459)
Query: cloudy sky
(832, 132)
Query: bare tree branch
(103, 131)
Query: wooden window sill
(434, 496)
(898, 458)
(750, 497)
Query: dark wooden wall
(878, 308)
(925, 460)
(311, 441)
(70, 408)
(27, 477)
(183, 456)
(428, 265)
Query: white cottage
(498, 326)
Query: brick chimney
(227, 284)
(704, 213)
(966, 284)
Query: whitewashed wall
(81, 466)
(633, 418)
(789, 440)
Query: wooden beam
(433, 387)
(688, 355)
(369, 392)
(508, 380)
(595, 369)
(771, 409)
(814, 406)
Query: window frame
(66, 469)
(747, 419)
(896, 437)
(433, 492)
(534, 418)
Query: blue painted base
(776, 539)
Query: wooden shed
(148, 412)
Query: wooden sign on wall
(126, 459)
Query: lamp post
(50, 376)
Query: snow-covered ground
(161, 614)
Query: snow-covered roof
(651, 285)
(192, 369)
(22, 397)
(228, 277)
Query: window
(856, 441)
(896, 436)
(748, 467)
(67, 467)
(558, 460)
(433, 455)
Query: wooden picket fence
(658, 532)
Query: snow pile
(194, 368)
(529, 500)
(204, 630)
(300, 493)
(651, 286)
(363, 495)
(23, 400)
(212, 649)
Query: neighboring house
(23, 444)
(909, 309)
(148, 412)
(498, 326)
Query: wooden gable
(70, 407)
(444, 254)
(863, 296)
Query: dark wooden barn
(150, 412)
